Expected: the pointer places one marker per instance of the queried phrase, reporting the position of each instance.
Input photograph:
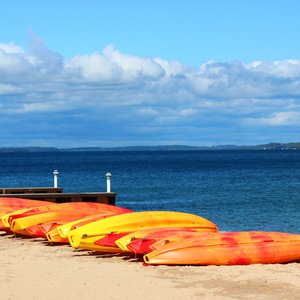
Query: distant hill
(138, 148)
(28, 149)
(278, 146)
(270, 146)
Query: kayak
(42, 223)
(8, 205)
(229, 248)
(70, 206)
(62, 213)
(144, 245)
(144, 234)
(43, 229)
(53, 236)
(111, 239)
(139, 241)
(63, 207)
(58, 233)
(66, 228)
(9, 217)
(85, 236)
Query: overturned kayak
(46, 228)
(144, 236)
(29, 223)
(85, 236)
(69, 206)
(66, 228)
(229, 248)
(145, 245)
(25, 212)
(9, 205)
(59, 232)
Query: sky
(121, 73)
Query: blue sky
(117, 73)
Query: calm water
(238, 190)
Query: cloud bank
(109, 98)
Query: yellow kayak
(64, 229)
(85, 236)
(22, 219)
(54, 236)
(18, 225)
(7, 218)
(60, 233)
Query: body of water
(238, 190)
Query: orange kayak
(144, 245)
(139, 241)
(29, 222)
(70, 206)
(229, 248)
(144, 235)
(11, 204)
(8, 205)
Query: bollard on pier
(108, 183)
(55, 174)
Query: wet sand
(32, 269)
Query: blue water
(238, 190)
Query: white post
(55, 174)
(108, 176)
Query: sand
(32, 269)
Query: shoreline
(32, 269)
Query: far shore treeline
(270, 146)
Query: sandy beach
(32, 269)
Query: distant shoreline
(270, 146)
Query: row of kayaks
(160, 237)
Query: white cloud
(93, 68)
(11, 48)
(13, 64)
(187, 112)
(147, 111)
(39, 107)
(127, 92)
(9, 89)
(284, 118)
(113, 66)
(280, 69)
(134, 67)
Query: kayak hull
(230, 248)
(91, 232)
(63, 213)
(141, 236)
